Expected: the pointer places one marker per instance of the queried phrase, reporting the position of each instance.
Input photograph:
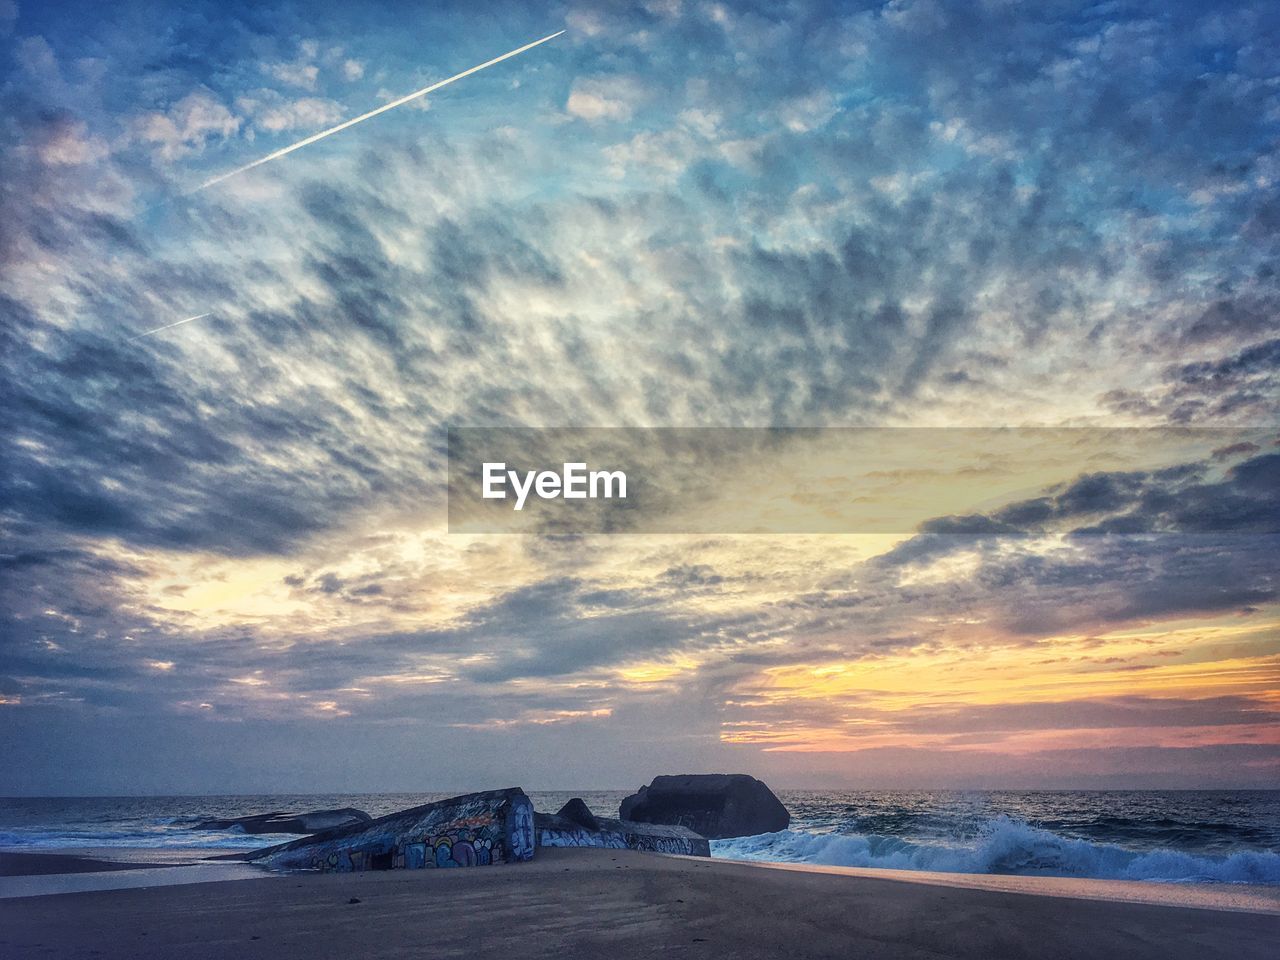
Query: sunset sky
(225, 561)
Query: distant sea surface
(1173, 836)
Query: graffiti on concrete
(462, 848)
(580, 837)
(470, 831)
(522, 835)
(475, 830)
(556, 831)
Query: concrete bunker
(477, 829)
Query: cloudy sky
(226, 564)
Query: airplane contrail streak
(176, 323)
(372, 113)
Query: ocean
(1171, 836)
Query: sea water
(1173, 836)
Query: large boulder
(716, 805)
(312, 821)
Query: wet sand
(53, 864)
(620, 904)
(79, 870)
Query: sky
(225, 561)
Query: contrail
(176, 323)
(372, 113)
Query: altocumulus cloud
(738, 214)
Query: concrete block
(477, 829)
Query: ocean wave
(1005, 846)
(152, 840)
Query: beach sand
(621, 904)
(15, 864)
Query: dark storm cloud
(114, 447)
(1116, 578)
(1179, 499)
(1120, 567)
(1240, 385)
(1229, 319)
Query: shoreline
(1242, 897)
(30, 873)
(571, 903)
(150, 867)
(37, 863)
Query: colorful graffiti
(620, 840)
(460, 848)
(471, 831)
(522, 835)
(554, 830)
(463, 849)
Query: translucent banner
(862, 480)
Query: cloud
(273, 113)
(294, 74)
(603, 98)
(1227, 319)
(188, 126)
(65, 141)
(1238, 387)
(38, 59)
(766, 216)
(302, 72)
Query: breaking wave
(164, 837)
(1004, 846)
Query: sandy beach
(18, 864)
(598, 903)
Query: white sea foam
(1003, 846)
(142, 839)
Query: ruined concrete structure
(554, 830)
(478, 829)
